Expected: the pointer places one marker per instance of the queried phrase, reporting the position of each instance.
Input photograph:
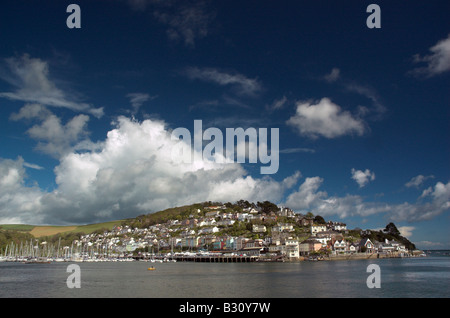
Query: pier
(216, 259)
(205, 258)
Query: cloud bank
(132, 172)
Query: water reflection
(399, 278)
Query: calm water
(414, 277)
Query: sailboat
(58, 257)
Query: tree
(392, 229)
(243, 204)
(267, 206)
(319, 220)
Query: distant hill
(139, 221)
(48, 230)
(19, 233)
(24, 232)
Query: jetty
(201, 258)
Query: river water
(424, 277)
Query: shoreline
(224, 259)
(362, 256)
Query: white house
(226, 222)
(323, 240)
(207, 222)
(208, 230)
(257, 228)
(352, 248)
(283, 227)
(292, 249)
(318, 228)
(339, 246)
(337, 226)
(286, 212)
(252, 211)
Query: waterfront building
(292, 249)
(367, 245)
(308, 246)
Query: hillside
(21, 232)
(390, 233)
(24, 232)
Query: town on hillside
(242, 231)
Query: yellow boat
(151, 268)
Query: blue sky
(362, 113)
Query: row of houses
(201, 232)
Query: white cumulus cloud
(131, 172)
(362, 177)
(325, 119)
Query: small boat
(151, 269)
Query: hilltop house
(226, 222)
(305, 221)
(318, 228)
(250, 210)
(208, 230)
(283, 227)
(286, 212)
(258, 228)
(212, 214)
(336, 226)
(207, 222)
(216, 207)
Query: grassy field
(43, 230)
(39, 231)
(17, 227)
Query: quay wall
(356, 256)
